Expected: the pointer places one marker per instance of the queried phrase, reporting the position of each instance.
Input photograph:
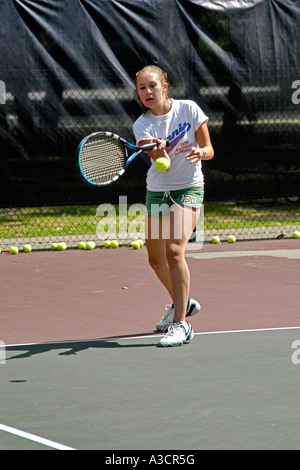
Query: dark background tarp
(68, 67)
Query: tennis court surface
(80, 368)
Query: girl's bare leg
(166, 253)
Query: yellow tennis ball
(90, 245)
(215, 239)
(54, 246)
(114, 244)
(27, 248)
(107, 243)
(14, 250)
(81, 245)
(135, 245)
(231, 239)
(162, 164)
(61, 246)
(296, 234)
(141, 242)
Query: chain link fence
(253, 197)
(238, 63)
(43, 226)
(252, 184)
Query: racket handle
(152, 145)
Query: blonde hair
(163, 77)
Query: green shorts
(159, 203)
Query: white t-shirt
(178, 126)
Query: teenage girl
(174, 197)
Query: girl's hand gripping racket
(103, 157)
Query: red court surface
(75, 295)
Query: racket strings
(102, 160)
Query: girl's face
(151, 92)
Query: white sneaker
(178, 333)
(193, 307)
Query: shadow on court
(69, 348)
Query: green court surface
(226, 390)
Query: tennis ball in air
(27, 248)
(107, 243)
(90, 245)
(135, 245)
(54, 246)
(162, 164)
(296, 234)
(82, 245)
(61, 246)
(215, 240)
(14, 250)
(114, 244)
(231, 239)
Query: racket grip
(152, 145)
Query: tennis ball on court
(215, 240)
(61, 246)
(162, 164)
(135, 245)
(231, 239)
(82, 245)
(14, 250)
(54, 246)
(296, 234)
(90, 245)
(107, 243)
(27, 248)
(114, 244)
(141, 242)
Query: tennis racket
(103, 157)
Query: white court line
(255, 330)
(154, 335)
(33, 437)
(290, 254)
(200, 333)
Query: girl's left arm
(205, 150)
